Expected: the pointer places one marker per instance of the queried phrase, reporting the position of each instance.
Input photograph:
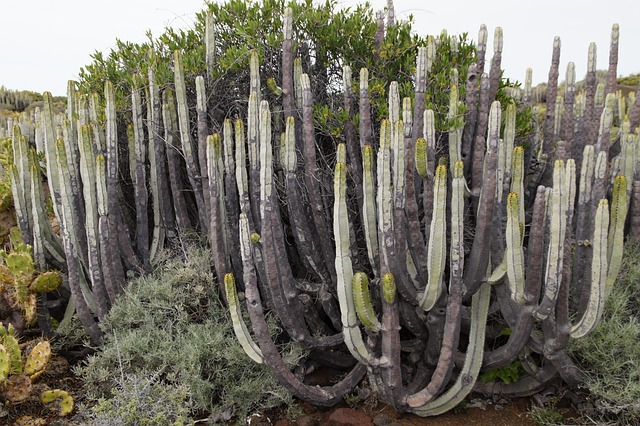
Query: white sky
(45, 42)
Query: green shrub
(172, 325)
(610, 354)
(139, 401)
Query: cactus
(62, 397)
(21, 281)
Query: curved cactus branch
(239, 327)
(472, 362)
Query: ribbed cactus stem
(210, 43)
(483, 36)
(89, 188)
(526, 98)
(362, 302)
(141, 192)
(612, 73)
(394, 103)
(599, 267)
(203, 132)
(517, 179)
(344, 269)
(454, 128)
(618, 216)
(514, 251)
(557, 229)
(50, 153)
(186, 140)
(437, 241)
(384, 195)
(472, 361)
(369, 206)
(239, 327)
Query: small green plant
(143, 401)
(546, 416)
(508, 374)
(351, 399)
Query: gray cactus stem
(366, 137)
(316, 395)
(591, 116)
(526, 386)
(253, 119)
(210, 44)
(473, 360)
(231, 198)
(552, 92)
(140, 189)
(203, 132)
(612, 72)
(82, 297)
(496, 61)
(482, 48)
(634, 113)
(470, 116)
(169, 119)
(479, 256)
(288, 99)
(312, 177)
(50, 139)
(217, 222)
(163, 218)
(478, 150)
(89, 188)
(42, 230)
(303, 234)
(452, 324)
(112, 271)
(278, 271)
(568, 116)
(20, 184)
(188, 149)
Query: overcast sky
(45, 42)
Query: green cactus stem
(5, 363)
(37, 359)
(437, 241)
(239, 327)
(366, 138)
(369, 206)
(362, 302)
(618, 216)
(344, 269)
(514, 251)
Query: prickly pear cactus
(19, 280)
(64, 400)
(37, 359)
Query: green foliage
(171, 324)
(546, 416)
(610, 353)
(508, 374)
(630, 80)
(143, 401)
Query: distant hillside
(24, 101)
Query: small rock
(306, 421)
(349, 417)
(382, 419)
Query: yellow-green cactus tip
(66, 400)
(389, 287)
(255, 238)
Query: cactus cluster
(17, 375)
(401, 250)
(20, 282)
